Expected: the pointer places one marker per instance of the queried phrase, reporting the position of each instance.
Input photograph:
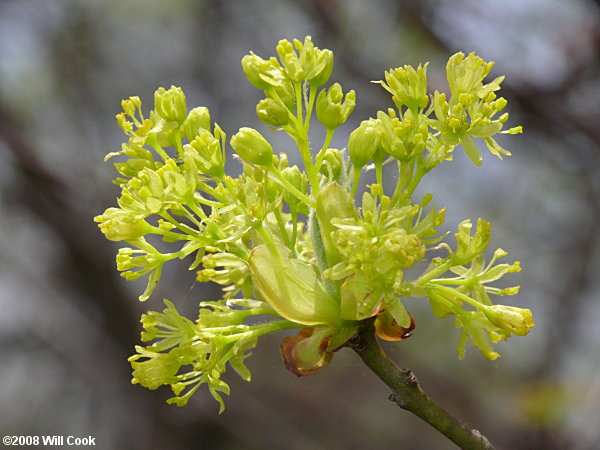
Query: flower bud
(197, 119)
(321, 71)
(124, 124)
(117, 227)
(297, 179)
(290, 61)
(285, 91)
(408, 86)
(208, 156)
(125, 259)
(281, 161)
(252, 146)
(510, 318)
(272, 112)
(466, 74)
(332, 163)
(331, 112)
(271, 189)
(468, 247)
(317, 63)
(129, 105)
(363, 142)
(255, 68)
(170, 105)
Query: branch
(407, 393)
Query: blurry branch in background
(46, 196)
(87, 267)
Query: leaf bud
(359, 299)
(305, 354)
(333, 202)
(387, 327)
(291, 287)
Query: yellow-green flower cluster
(290, 242)
(486, 323)
(374, 251)
(186, 354)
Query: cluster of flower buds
(282, 81)
(408, 87)
(305, 62)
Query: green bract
(295, 244)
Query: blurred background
(69, 322)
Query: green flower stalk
(296, 244)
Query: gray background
(68, 322)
